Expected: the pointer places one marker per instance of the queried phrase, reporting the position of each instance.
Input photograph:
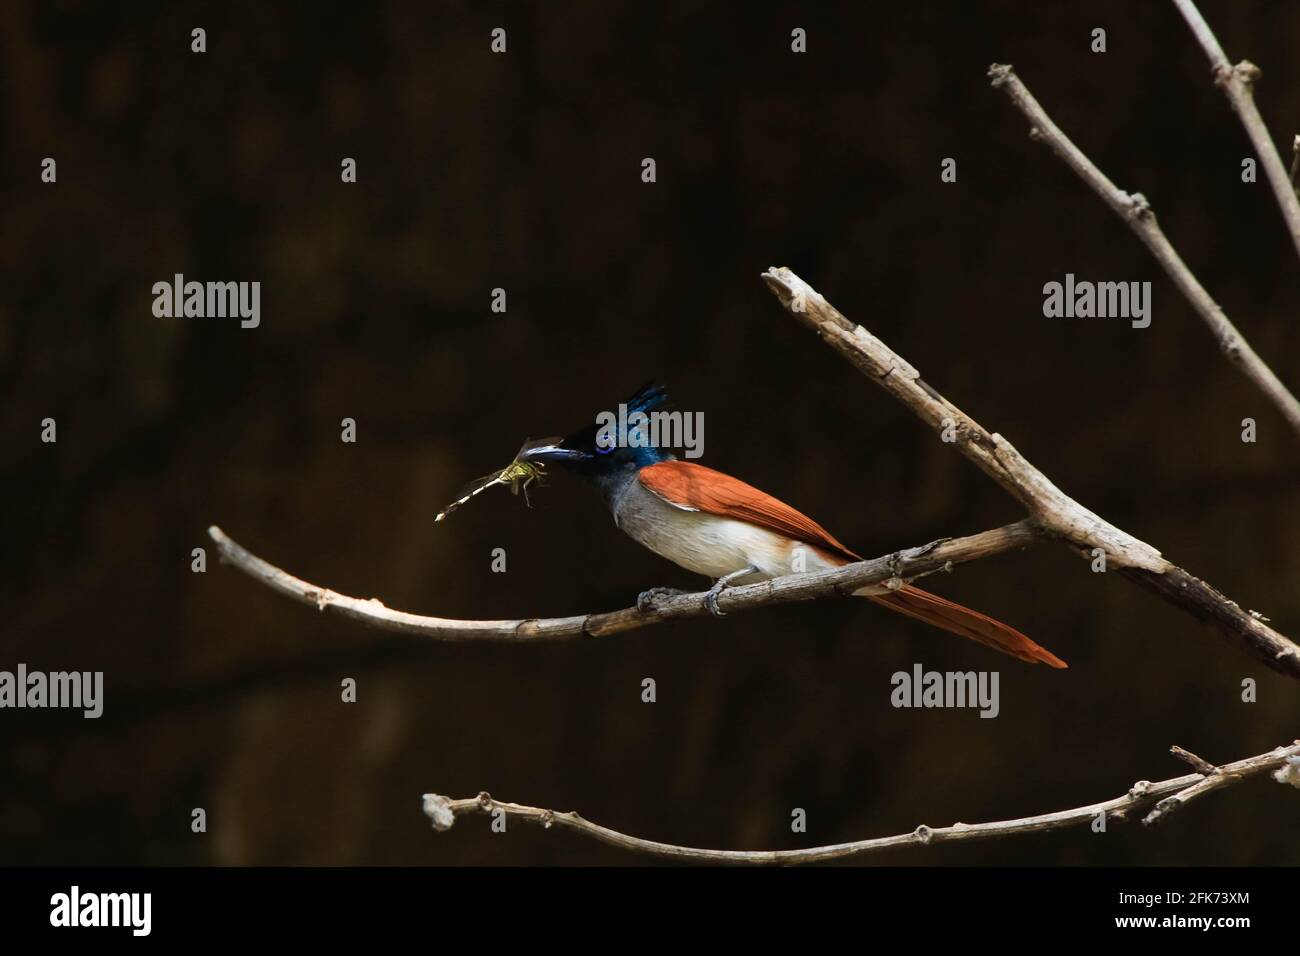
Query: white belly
(708, 544)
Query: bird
(713, 524)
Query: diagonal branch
(443, 813)
(1295, 165)
(890, 571)
(1237, 83)
(1136, 211)
(1056, 512)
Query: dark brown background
(522, 171)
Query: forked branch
(1053, 510)
(1176, 791)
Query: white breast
(708, 544)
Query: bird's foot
(720, 585)
(711, 600)
(645, 601)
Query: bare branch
(1136, 211)
(1295, 165)
(1212, 778)
(1059, 514)
(1236, 83)
(889, 571)
(443, 813)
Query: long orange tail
(957, 619)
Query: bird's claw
(720, 585)
(645, 601)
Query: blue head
(603, 453)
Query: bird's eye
(600, 450)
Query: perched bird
(716, 525)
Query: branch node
(923, 834)
(1247, 72)
(1140, 207)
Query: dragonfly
(519, 474)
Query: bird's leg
(711, 599)
(646, 599)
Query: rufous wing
(688, 485)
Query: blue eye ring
(603, 451)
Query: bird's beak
(551, 453)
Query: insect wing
(531, 443)
(470, 490)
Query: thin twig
(1136, 211)
(1051, 507)
(889, 571)
(1199, 764)
(443, 812)
(1236, 83)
